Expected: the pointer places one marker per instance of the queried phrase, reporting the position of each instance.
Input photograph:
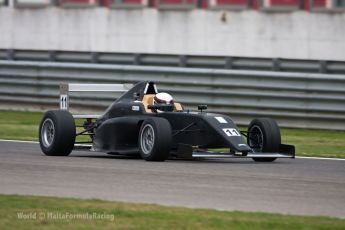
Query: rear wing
(66, 88)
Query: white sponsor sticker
(231, 132)
(221, 120)
(135, 108)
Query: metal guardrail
(293, 99)
(313, 5)
(188, 61)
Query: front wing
(188, 152)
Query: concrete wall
(248, 33)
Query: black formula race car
(132, 125)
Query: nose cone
(228, 131)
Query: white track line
(311, 158)
(322, 158)
(32, 142)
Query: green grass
(19, 125)
(320, 143)
(324, 143)
(119, 215)
(16, 125)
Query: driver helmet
(164, 99)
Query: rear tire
(155, 139)
(57, 133)
(264, 136)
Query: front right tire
(155, 139)
(264, 136)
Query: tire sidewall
(144, 125)
(49, 115)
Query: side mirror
(202, 107)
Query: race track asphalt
(299, 186)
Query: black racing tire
(264, 136)
(57, 133)
(155, 139)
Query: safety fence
(264, 5)
(188, 61)
(293, 99)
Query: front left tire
(57, 133)
(155, 139)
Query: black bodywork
(117, 130)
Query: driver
(164, 99)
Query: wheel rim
(256, 138)
(47, 133)
(147, 139)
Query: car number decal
(231, 132)
(63, 102)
